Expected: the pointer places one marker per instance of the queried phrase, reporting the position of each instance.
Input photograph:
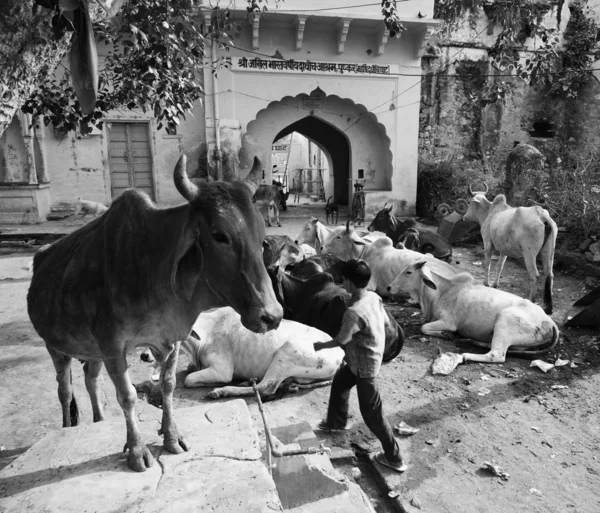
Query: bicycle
(358, 204)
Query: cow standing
(516, 232)
(140, 276)
(268, 197)
(494, 318)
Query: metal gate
(130, 158)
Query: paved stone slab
(82, 469)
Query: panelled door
(130, 158)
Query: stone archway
(336, 145)
(325, 119)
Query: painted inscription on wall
(308, 66)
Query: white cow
(315, 234)
(227, 351)
(516, 232)
(385, 260)
(487, 316)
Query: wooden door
(130, 158)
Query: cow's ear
(187, 264)
(358, 242)
(426, 275)
(429, 283)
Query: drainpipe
(215, 81)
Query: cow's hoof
(215, 394)
(279, 224)
(140, 458)
(176, 444)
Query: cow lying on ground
(318, 264)
(320, 303)
(492, 318)
(281, 250)
(516, 232)
(404, 230)
(268, 197)
(426, 243)
(316, 234)
(226, 351)
(385, 260)
(140, 276)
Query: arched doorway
(335, 144)
(355, 142)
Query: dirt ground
(542, 429)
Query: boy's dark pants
(371, 409)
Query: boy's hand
(318, 346)
(324, 345)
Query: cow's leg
(276, 210)
(218, 373)
(499, 267)
(92, 371)
(487, 251)
(501, 341)
(173, 441)
(62, 365)
(547, 255)
(531, 267)
(438, 328)
(139, 458)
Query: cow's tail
(550, 234)
(533, 353)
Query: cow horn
(253, 178)
(471, 190)
(186, 188)
(486, 188)
(389, 209)
(348, 226)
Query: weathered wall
(451, 123)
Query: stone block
(82, 468)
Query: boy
(362, 335)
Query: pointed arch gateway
(350, 135)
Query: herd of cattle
(203, 277)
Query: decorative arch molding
(353, 120)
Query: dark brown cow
(140, 276)
(269, 197)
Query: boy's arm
(348, 329)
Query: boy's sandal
(323, 426)
(381, 459)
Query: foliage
(560, 71)
(571, 193)
(156, 56)
(446, 180)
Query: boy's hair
(358, 272)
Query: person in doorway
(362, 335)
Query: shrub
(446, 180)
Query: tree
(155, 63)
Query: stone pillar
(27, 133)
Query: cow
(320, 303)
(516, 232)
(283, 196)
(225, 350)
(492, 318)
(385, 260)
(426, 242)
(398, 230)
(268, 197)
(316, 234)
(318, 263)
(140, 276)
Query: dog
(89, 207)
(331, 209)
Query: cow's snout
(295, 242)
(270, 321)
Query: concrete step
(83, 469)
